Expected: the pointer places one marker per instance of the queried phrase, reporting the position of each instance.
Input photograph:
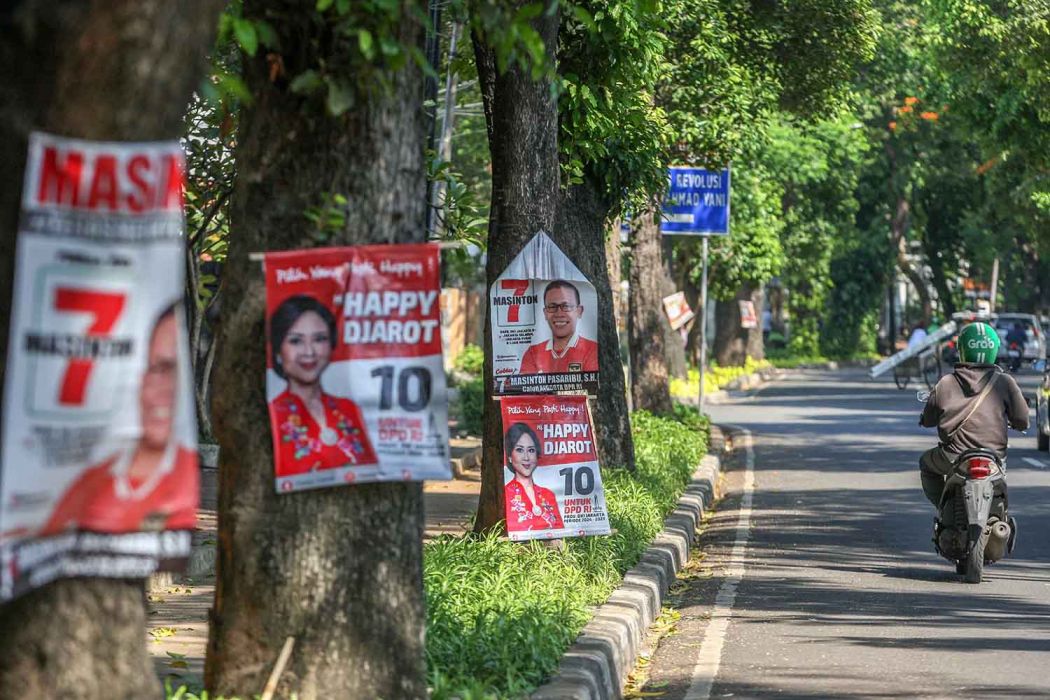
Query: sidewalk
(178, 606)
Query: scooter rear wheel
(975, 560)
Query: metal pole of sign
(703, 327)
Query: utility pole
(995, 285)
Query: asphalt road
(839, 592)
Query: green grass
(784, 360)
(500, 614)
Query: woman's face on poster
(523, 456)
(306, 349)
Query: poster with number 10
(552, 484)
(355, 380)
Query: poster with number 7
(99, 460)
(355, 381)
(544, 315)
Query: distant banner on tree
(678, 311)
(355, 380)
(552, 483)
(748, 317)
(544, 315)
(99, 460)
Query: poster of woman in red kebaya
(529, 506)
(314, 430)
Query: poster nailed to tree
(99, 462)
(552, 484)
(544, 324)
(355, 380)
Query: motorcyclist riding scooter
(1015, 342)
(964, 476)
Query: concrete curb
(595, 667)
(463, 463)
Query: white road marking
(1034, 462)
(710, 657)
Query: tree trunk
(732, 340)
(899, 231)
(338, 569)
(756, 346)
(674, 345)
(647, 325)
(580, 232)
(118, 71)
(522, 120)
(614, 266)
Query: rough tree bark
(117, 71)
(522, 120)
(734, 343)
(647, 324)
(899, 231)
(614, 266)
(339, 569)
(674, 345)
(580, 232)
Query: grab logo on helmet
(982, 343)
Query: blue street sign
(697, 202)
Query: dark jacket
(953, 397)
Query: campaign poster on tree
(544, 324)
(355, 380)
(99, 460)
(552, 484)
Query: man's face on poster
(157, 395)
(563, 311)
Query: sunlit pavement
(842, 594)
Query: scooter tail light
(980, 468)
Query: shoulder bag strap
(976, 404)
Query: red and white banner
(552, 483)
(99, 459)
(355, 380)
(748, 317)
(678, 310)
(544, 324)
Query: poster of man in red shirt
(545, 324)
(152, 485)
(552, 484)
(355, 380)
(98, 466)
(566, 350)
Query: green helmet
(978, 343)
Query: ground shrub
(470, 360)
(715, 378)
(470, 405)
(500, 614)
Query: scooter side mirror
(922, 396)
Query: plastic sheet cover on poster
(544, 324)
